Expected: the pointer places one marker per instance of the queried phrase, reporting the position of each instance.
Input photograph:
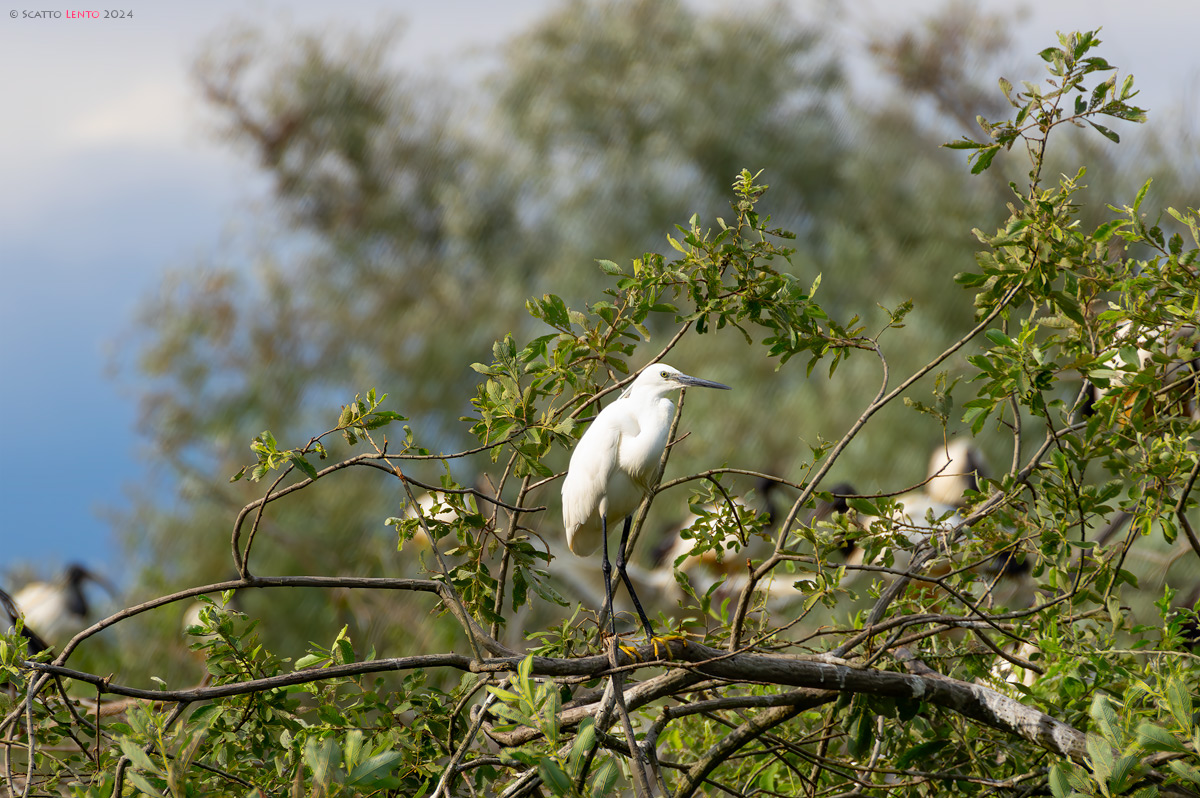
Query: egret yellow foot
(631, 652)
(665, 642)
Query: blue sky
(110, 176)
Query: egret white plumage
(614, 466)
(59, 609)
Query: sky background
(110, 175)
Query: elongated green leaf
(1106, 719)
(375, 768)
(1179, 701)
(1111, 135)
(585, 737)
(1124, 770)
(919, 754)
(555, 777)
(140, 759)
(1059, 785)
(143, 784)
(1100, 754)
(322, 758)
(1155, 738)
(1185, 770)
(605, 778)
(303, 464)
(984, 159)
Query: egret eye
(664, 373)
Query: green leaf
(555, 777)
(303, 465)
(1100, 755)
(1106, 719)
(1106, 230)
(920, 754)
(1155, 738)
(861, 733)
(1123, 774)
(1185, 770)
(998, 338)
(550, 711)
(1111, 135)
(1179, 700)
(1137, 202)
(606, 777)
(963, 144)
(139, 758)
(610, 268)
(352, 747)
(1060, 785)
(585, 737)
(143, 784)
(504, 695)
(322, 758)
(984, 159)
(375, 768)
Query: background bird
(955, 470)
(614, 466)
(59, 609)
(738, 530)
(13, 612)
(1176, 369)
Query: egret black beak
(690, 382)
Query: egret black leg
(607, 568)
(625, 578)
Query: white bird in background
(614, 466)
(1178, 372)
(59, 609)
(13, 612)
(954, 468)
(673, 551)
(435, 508)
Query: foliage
(798, 671)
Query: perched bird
(35, 643)
(1171, 353)
(436, 509)
(59, 609)
(955, 468)
(738, 537)
(614, 466)
(704, 567)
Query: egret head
(659, 379)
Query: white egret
(614, 466)
(59, 609)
